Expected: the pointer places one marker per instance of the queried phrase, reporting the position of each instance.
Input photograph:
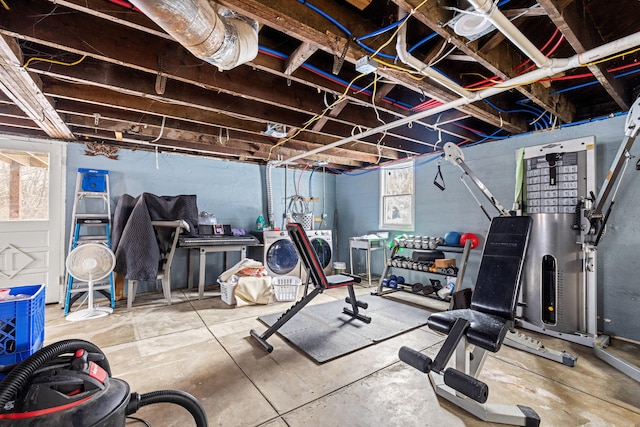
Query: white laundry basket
(285, 288)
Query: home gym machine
(559, 290)
(515, 339)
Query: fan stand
(91, 312)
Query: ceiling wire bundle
(315, 118)
(343, 95)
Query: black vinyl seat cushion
(338, 280)
(485, 330)
(495, 294)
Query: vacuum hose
(18, 377)
(181, 398)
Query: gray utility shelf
(368, 245)
(461, 267)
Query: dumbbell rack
(396, 261)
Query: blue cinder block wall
(234, 192)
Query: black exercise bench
(482, 327)
(315, 275)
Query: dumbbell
(417, 287)
(393, 281)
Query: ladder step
(92, 239)
(97, 218)
(85, 288)
(99, 194)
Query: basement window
(24, 185)
(397, 198)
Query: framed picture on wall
(397, 198)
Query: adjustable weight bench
(315, 274)
(482, 327)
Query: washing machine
(277, 253)
(322, 243)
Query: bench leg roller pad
(415, 359)
(467, 385)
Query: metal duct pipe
(421, 67)
(557, 66)
(218, 36)
(490, 11)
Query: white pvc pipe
(421, 67)
(493, 14)
(556, 66)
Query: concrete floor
(202, 347)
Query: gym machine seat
(473, 331)
(315, 274)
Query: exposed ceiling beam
(179, 65)
(295, 18)
(232, 143)
(334, 112)
(26, 93)
(500, 60)
(580, 32)
(300, 55)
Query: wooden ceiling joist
(581, 34)
(22, 89)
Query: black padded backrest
(498, 284)
(307, 254)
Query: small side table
(369, 245)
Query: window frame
(383, 222)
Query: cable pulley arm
(616, 171)
(454, 154)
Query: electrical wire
(434, 155)
(299, 178)
(443, 57)
(524, 110)
(619, 55)
(421, 42)
(478, 133)
(523, 64)
(53, 61)
(316, 117)
(382, 30)
(331, 77)
(416, 75)
(398, 27)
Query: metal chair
(471, 332)
(315, 275)
(167, 234)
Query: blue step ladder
(91, 223)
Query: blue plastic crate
(21, 324)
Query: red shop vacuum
(69, 383)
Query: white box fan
(89, 263)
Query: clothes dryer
(322, 243)
(277, 253)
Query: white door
(32, 194)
